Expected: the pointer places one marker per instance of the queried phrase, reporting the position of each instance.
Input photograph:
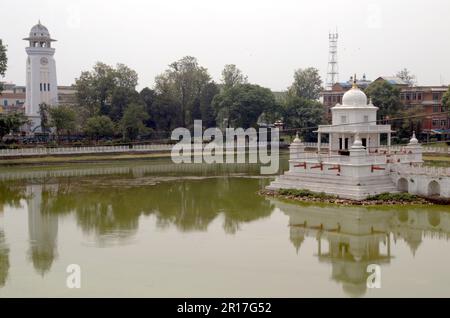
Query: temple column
(389, 142)
(319, 246)
(318, 142)
(330, 141)
(389, 244)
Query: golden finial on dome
(354, 82)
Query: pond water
(154, 229)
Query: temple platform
(347, 187)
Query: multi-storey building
(13, 97)
(430, 99)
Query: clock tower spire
(41, 74)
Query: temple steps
(337, 180)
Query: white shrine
(41, 73)
(356, 165)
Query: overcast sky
(267, 39)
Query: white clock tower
(41, 74)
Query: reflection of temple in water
(356, 237)
(42, 229)
(4, 259)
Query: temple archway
(402, 185)
(434, 218)
(434, 189)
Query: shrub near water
(304, 193)
(404, 197)
(388, 197)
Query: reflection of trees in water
(4, 259)
(193, 205)
(11, 193)
(187, 204)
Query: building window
(414, 96)
(48, 87)
(443, 122)
(343, 119)
(366, 118)
(435, 108)
(407, 97)
(419, 96)
(435, 96)
(435, 122)
(40, 84)
(5, 102)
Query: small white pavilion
(356, 164)
(354, 117)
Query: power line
(373, 121)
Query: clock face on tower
(44, 61)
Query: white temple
(356, 164)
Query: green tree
(406, 75)
(303, 114)
(11, 122)
(63, 119)
(307, 83)
(44, 115)
(206, 107)
(121, 97)
(386, 97)
(132, 122)
(95, 88)
(183, 83)
(405, 127)
(446, 100)
(148, 97)
(3, 61)
(99, 126)
(162, 109)
(241, 106)
(232, 76)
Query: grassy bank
(437, 160)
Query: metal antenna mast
(333, 70)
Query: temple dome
(354, 97)
(39, 30)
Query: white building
(356, 164)
(41, 83)
(353, 117)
